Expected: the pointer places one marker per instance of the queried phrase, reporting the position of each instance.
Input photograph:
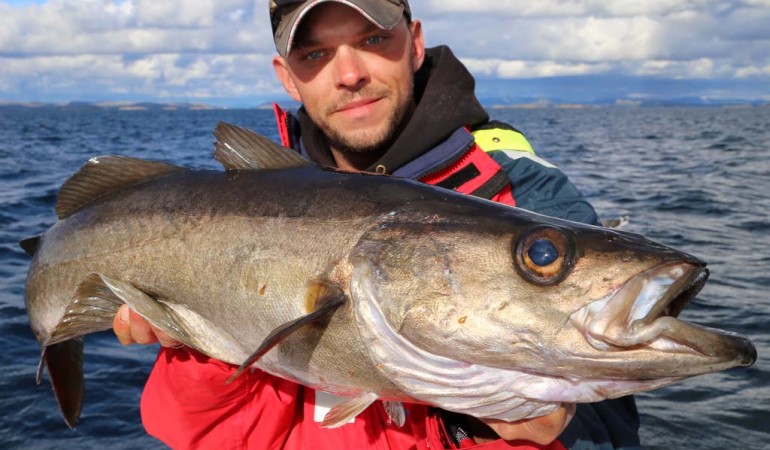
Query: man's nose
(351, 69)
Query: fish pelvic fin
(65, 368)
(344, 412)
(104, 174)
(92, 309)
(242, 149)
(322, 300)
(396, 412)
(30, 245)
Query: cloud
(222, 48)
(531, 69)
(141, 26)
(565, 8)
(696, 38)
(169, 49)
(170, 77)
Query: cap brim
(385, 15)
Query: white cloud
(753, 71)
(531, 69)
(223, 47)
(566, 8)
(701, 68)
(161, 75)
(141, 26)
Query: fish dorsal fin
(242, 149)
(104, 174)
(30, 245)
(322, 299)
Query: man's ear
(418, 45)
(282, 72)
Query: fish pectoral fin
(242, 149)
(344, 412)
(104, 174)
(96, 302)
(395, 411)
(322, 300)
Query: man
(374, 99)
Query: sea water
(697, 179)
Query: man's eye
(314, 55)
(373, 40)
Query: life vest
(474, 173)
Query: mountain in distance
(489, 101)
(119, 106)
(541, 103)
(606, 90)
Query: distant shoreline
(494, 104)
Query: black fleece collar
(444, 92)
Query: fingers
(121, 325)
(540, 430)
(164, 339)
(131, 328)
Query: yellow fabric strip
(501, 139)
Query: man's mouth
(358, 107)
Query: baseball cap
(285, 16)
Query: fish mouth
(643, 315)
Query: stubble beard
(368, 140)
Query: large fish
(365, 286)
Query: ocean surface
(694, 178)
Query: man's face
(354, 79)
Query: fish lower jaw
(638, 313)
(639, 335)
(685, 348)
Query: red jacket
(187, 405)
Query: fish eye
(544, 255)
(542, 252)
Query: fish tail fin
(65, 368)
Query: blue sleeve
(541, 187)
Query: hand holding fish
(131, 328)
(540, 430)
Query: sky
(219, 51)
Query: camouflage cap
(285, 16)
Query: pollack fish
(365, 286)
